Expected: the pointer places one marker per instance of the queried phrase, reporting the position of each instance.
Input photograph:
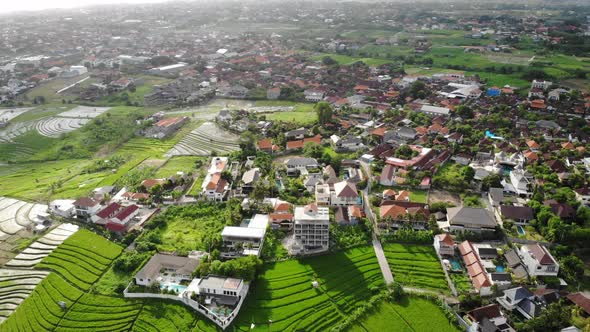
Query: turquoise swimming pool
(520, 230)
(175, 287)
(499, 268)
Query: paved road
(385, 270)
(387, 275)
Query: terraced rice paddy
(15, 287)
(8, 134)
(7, 114)
(203, 140)
(84, 112)
(54, 127)
(415, 266)
(81, 259)
(409, 314)
(16, 215)
(41, 248)
(83, 310)
(284, 294)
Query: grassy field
(190, 227)
(145, 86)
(461, 282)
(349, 60)
(416, 265)
(176, 164)
(75, 264)
(410, 314)
(283, 292)
(49, 89)
(303, 113)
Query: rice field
(284, 295)
(205, 139)
(409, 314)
(416, 266)
(81, 259)
(41, 248)
(31, 300)
(16, 215)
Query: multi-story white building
(538, 260)
(215, 187)
(245, 240)
(311, 229)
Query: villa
(166, 268)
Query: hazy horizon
(35, 5)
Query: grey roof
(251, 176)
(517, 294)
(530, 307)
(214, 282)
(301, 161)
(497, 276)
(468, 215)
(497, 194)
(512, 258)
(520, 272)
(406, 132)
(182, 265)
(487, 251)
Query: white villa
(246, 239)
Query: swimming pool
(499, 268)
(455, 265)
(175, 287)
(520, 230)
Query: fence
(222, 322)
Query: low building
(62, 207)
(434, 110)
(220, 290)
(245, 240)
(311, 229)
(120, 223)
(300, 165)
(444, 244)
(85, 208)
(520, 215)
(538, 260)
(165, 127)
(462, 219)
(488, 318)
(153, 271)
(344, 194)
(106, 213)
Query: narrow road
(385, 269)
(387, 275)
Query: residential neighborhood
(295, 166)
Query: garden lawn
(283, 292)
(409, 314)
(416, 266)
(461, 282)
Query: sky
(19, 5)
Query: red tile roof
(108, 211)
(126, 212)
(580, 300)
